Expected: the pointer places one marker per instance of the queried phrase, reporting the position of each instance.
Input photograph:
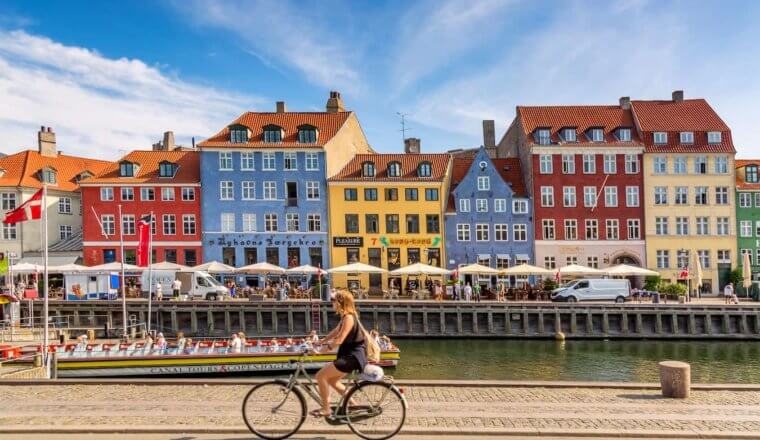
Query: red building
(166, 183)
(583, 169)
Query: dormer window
(83, 175)
(127, 169)
(394, 169)
(368, 169)
(47, 175)
(425, 170)
(624, 134)
(687, 137)
(307, 134)
(568, 134)
(272, 134)
(660, 138)
(238, 134)
(167, 169)
(597, 135)
(543, 136)
(714, 137)
(750, 174)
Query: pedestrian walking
(476, 292)
(730, 296)
(176, 286)
(457, 291)
(468, 292)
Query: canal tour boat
(203, 358)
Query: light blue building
(488, 218)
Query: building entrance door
(375, 279)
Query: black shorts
(347, 364)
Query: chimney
(281, 107)
(625, 102)
(678, 96)
(46, 142)
(489, 136)
(335, 103)
(412, 146)
(169, 141)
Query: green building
(748, 213)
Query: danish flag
(29, 210)
(684, 274)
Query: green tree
(652, 282)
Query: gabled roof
(409, 163)
(508, 168)
(582, 118)
(327, 123)
(188, 170)
(740, 183)
(21, 169)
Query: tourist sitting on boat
(236, 345)
(181, 342)
(160, 344)
(289, 344)
(243, 340)
(81, 343)
(313, 337)
(273, 345)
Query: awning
(505, 256)
(484, 256)
(53, 260)
(525, 257)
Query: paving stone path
(432, 409)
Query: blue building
(488, 218)
(264, 184)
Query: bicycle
(276, 409)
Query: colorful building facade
(748, 213)
(386, 211)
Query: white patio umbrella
(746, 274)
(306, 269)
(262, 268)
(26, 268)
(214, 267)
(67, 268)
(477, 269)
(166, 265)
(357, 268)
(625, 270)
(578, 270)
(113, 267)
(420, 269)
(525, 269)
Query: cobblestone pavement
(432, 409)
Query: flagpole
(123, 277)
(45, 291)
(150, 268)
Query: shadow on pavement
(641, 396)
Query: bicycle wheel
(272, 412)
(375, 410)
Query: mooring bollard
(38, 360)
(675, 379)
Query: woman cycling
(349, 338)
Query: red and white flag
(143, 241)
(684, 274)
(29, 210)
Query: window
(481, 232)
(170, 224)
(568, 164)
(464, 205)
(545, 164)
(610, 196)
(307, 135)
(292, 222)
(631, 164)
(272, 134)
(188, 224)
(9, 201)
(661, 226)
(682, 195)
(502, 262)
(312, 190)
(463, 232)
(547, 196)
(721, 165)
(610, 164)
(550, 262)
(682, 259)
(249, 222)
(270, 223)
(500, 232)
(743, 252)
(268, 162)
(147, 194)
(391, 194)
(290, 162)
(191, 258)
(226, 191)
(663, 259)
(9, 231)
(597, 135)
(246, 161)
(431, 194)
(481, 205)
(368, 169)
(270, 190)
(228, 222)
(700, 195)
(721, 195)
(624, 134)
(432, 223)
(680, 164)
(166, 169)
(757, 228)
(634, 229)
(312, 162)
(660, 138)
(544, 136)
(391, 224)
(592, 262)
(631, 196)
(682, 225)
(370, 194)
(757, 200)
(700, 165)
(613, 229)
(394, 169)
(126, 169)
(750, 174)
(687, 137)
(745, 228)
(484, 183)
(424, 169)
(248, 190)
(225, 160)
(571, 229)
(109, 224)
(568, 134)
(547, 226)
(412, 255)
(714, 137)
(660, 195)
(411, 194)
(520, 232)
(352, 223)
(722, 226)
(350, 194)
(314, 222)
(703, 226)
(500, 205)
(412, 224)
(167, 194)
(519, 206)
(589, 163)
(592, 229)
(745, 200)
(238, 135)
(589, 196)
(64, 205)
(724, 256)
(660, 165)
(571, 260)
(64, 232)
(188, 194)
(568, 196)
(127, 194)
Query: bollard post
(38, 360)
(54, 365)
(675, 379)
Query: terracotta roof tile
(740, 183)
(582, 117)
(409, 163)
(21, 169)
(149, 160)
(326, 123)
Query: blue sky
(112, 76)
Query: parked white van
(596, 289)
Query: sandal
(319, 413)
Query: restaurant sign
(348, 241)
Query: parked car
(595, 289)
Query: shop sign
(348, 241)
(286, 240)
(407, 241)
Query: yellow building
(689, 190)
(386, 210)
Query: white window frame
(714, 137)
(484, 183)
(169, 220)
(463, 232)
(745, 228)
(268, 161)
(591, 225)
(589, 163)
(569, 197)
(661, 226)
(292, 222)
(610, 196)
(226, 190)
(686, 137)
(225, 161)
(247, 190)
(723, 226)
(632, 196)
(168, 194)
(632, 164)
(612, 224)
(188, 194)
(64, 205)
(482, 232)
(571, 229)
(720, 164)
(188, 222)
(660, 195)
(249, 222)
(610, 164)
(519, 232)
(519, 206)
(313, 190)
(290, 161)
(147, 194)
(247, 161)
(9, 201)
(547, 196)
(314, 222)
(481, 205)
(546, 165)
(680, 165)
(702, 226)
(660, 165)
(127, 194)
(589, 196)
(464, 205)
(500, 205)
(548, 229)
(501, 232)
(568, 164)
(681, 195)
(624, 134)
(271, 222)
(269, 191)
(311, 162)
(682, 226)
(228, 222)
(660, 137)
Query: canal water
(586, 360)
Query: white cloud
(99, 107)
